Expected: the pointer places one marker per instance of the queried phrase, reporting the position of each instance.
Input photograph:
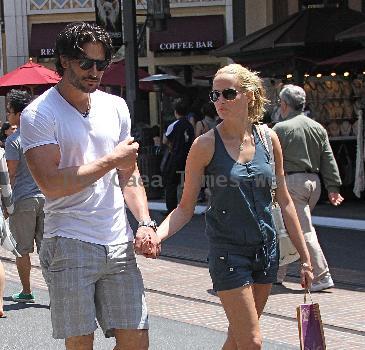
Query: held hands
(147, 242)
(125, 154)
(335, 198)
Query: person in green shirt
(307, 153)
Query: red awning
(30, 74)
(115, 75)
(190, 33)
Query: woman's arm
(289, 213)
(200, 154)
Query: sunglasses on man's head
(229, 94)
(87, 63)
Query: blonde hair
(249, 81)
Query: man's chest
(88, 138)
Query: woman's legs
(2, 288)
(243, 307)
(261, 293)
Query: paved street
(185, 314)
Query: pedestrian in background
(307, 154)
(6, 130)
(243, 256)
(178, 137)
(26, 223)
(7, 208)
(77, 143)
(209, 120)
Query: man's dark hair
(18, 100)
(70, 40)
(181, 107)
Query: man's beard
(76, 82)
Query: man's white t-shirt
(96, 214)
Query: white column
(229, 21)
(16, 33)
(256, 15)
(229, 25)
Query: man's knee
(134, 339)
(83, 342)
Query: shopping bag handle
(307, 291)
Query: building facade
(196, 28)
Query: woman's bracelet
(306, 266)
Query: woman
(243, 256)
(208, 122)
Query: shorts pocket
(72, 254)
(48, 251)
(237, 261)
(228, 263)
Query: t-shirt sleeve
(125, 120)
(36, 129)
(170, 132)
(12, 149)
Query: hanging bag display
(288, 253)
(7, 240)
(311, 335)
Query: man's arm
(12, 168)
(330, 173)
(135, 197)
(43, 162)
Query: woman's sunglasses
(87, 63)
(229, 94)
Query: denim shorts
(231, 269)
(89, 281)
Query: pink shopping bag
(310, 326)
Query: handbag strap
(264, 133)
(307, 291)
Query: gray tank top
(239, 216)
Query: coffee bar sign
(186, 45)
(193, 33)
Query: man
(307, 153)
(77, 143)
(179, 137)
(26, 223)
